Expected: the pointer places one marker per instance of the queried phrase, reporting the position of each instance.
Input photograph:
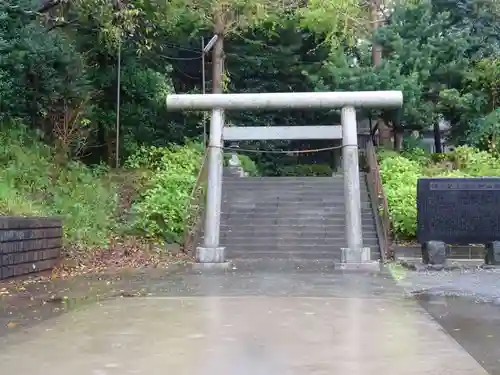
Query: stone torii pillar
(211, 253)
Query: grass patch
(148, 198)
(33, 184)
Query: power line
(179, 47)
(179, 58)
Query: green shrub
(162, 209)
(312, 170)
(384, 153)
(417, 154)
(248, 165)
(474, 162)
(400, 174)
(32, 184)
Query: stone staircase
(289, 218)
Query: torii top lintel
(284, 100)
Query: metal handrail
(195, 207)
(382, 205)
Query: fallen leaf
(13, 324)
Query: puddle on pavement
(473, 322)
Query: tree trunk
(385, 134)
(438, 147)
(385, 131)
(218, 55)
(398, 139)
(375, 21)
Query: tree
(437, 44)
(233, 17)
(58, 74)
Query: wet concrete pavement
(271, 318)
(467, 305)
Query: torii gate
(211, 253)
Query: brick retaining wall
(29, 245)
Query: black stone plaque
(458, 210)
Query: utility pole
(203, 90)
(118, 100)
(211, 251)
(118, 7)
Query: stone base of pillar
(362, 255)
(353, 259)
(210, 255)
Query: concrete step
(302, 236)
(283, 194)
(286, 231)
(334, 238)
(297, 188)
(284, 252)
(313, 243)
(280, 194)
(290, 183)
(291, 222)
(291, 179)
(290, 187)
(289, 232)
(299, 209)
(321, 257)
(263, 203)
(288, 213)
(288, 180)
(285, 255)
(287, 246)
(290, 218)
(305, 201)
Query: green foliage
(162, 209)
(38, 70)
(384, 153)
(32, 183)
(312, 170)
(436, 53)
(484, 132)
(248, 165)
(256, 62)
(400, 175)
(475, 163)
(416, 154)
(337, 20)
(58, 74)
(63, 80)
